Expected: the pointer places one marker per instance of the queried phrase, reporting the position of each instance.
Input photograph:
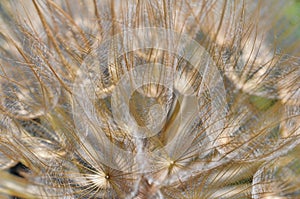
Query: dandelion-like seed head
(149, 99)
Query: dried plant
(149, 99)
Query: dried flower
(149, 99)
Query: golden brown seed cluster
(149, 99)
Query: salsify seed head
(149, 99)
